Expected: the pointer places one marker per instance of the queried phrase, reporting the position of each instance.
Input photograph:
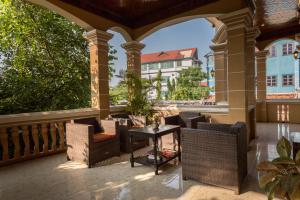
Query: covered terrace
(244, 28)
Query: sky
(194, 33)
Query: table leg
(155, 155)
(179, 145)
(174, 141)
(131, 151)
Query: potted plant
(281, 175)
(138, 104)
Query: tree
(171, 88)
(158, 85)
(118, 93)
(188, 85)
(44, 60)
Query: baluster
(61, 135)
(4, 144)
(35, 136)
(278, 113)
(16, 141)
(26, 141)
(53, 136)
(45, 137)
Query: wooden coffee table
(148, 132)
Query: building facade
(210, 69)
(282, 70)
(170, 63)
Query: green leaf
(297, 158)
(283, 161)
(265, 179)
(266, 166)
(284, 147)
(270, 189)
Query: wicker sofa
(125, 123)
(91, 142)
(185, 119)
(215, 154)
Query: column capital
(133, 46)
(262, 54)
(97, 37)
(252, 34)
(218, 48)
(238, 19)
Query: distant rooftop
(177, 54)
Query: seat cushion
(101, 137)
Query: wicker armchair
(125, 123)
(215, 154)
(185, 119)
(91, 142)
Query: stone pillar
(261, 65)
(133, 52)
(98, 44)
(252, 34)
(220, 62)
(237, 23)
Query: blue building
(209, 68)
(282, 69)
(282, 73)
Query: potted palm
(138, 104)
(281, 175)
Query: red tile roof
(282, 96)
(169, 55)
(203, 84)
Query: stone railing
(217, 113)
(31, 135)
(279, 110)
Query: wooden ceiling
(137, 13)
(277, 18)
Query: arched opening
(176, 47)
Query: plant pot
(138, 120)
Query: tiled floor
(55, 178)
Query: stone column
(220, 62)
(252, 34)
(98, 44)
(261, 63)
(133, 52)
(237, 23)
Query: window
(179, 63)
(271, 81)
(288, 80)
(153, 66)
(164, 79)
(144, 67)
(287, 49)
(166, 65)
(273, 51)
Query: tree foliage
(158, 85)
(187, 86)
(44, 62)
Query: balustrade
(31, 135)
